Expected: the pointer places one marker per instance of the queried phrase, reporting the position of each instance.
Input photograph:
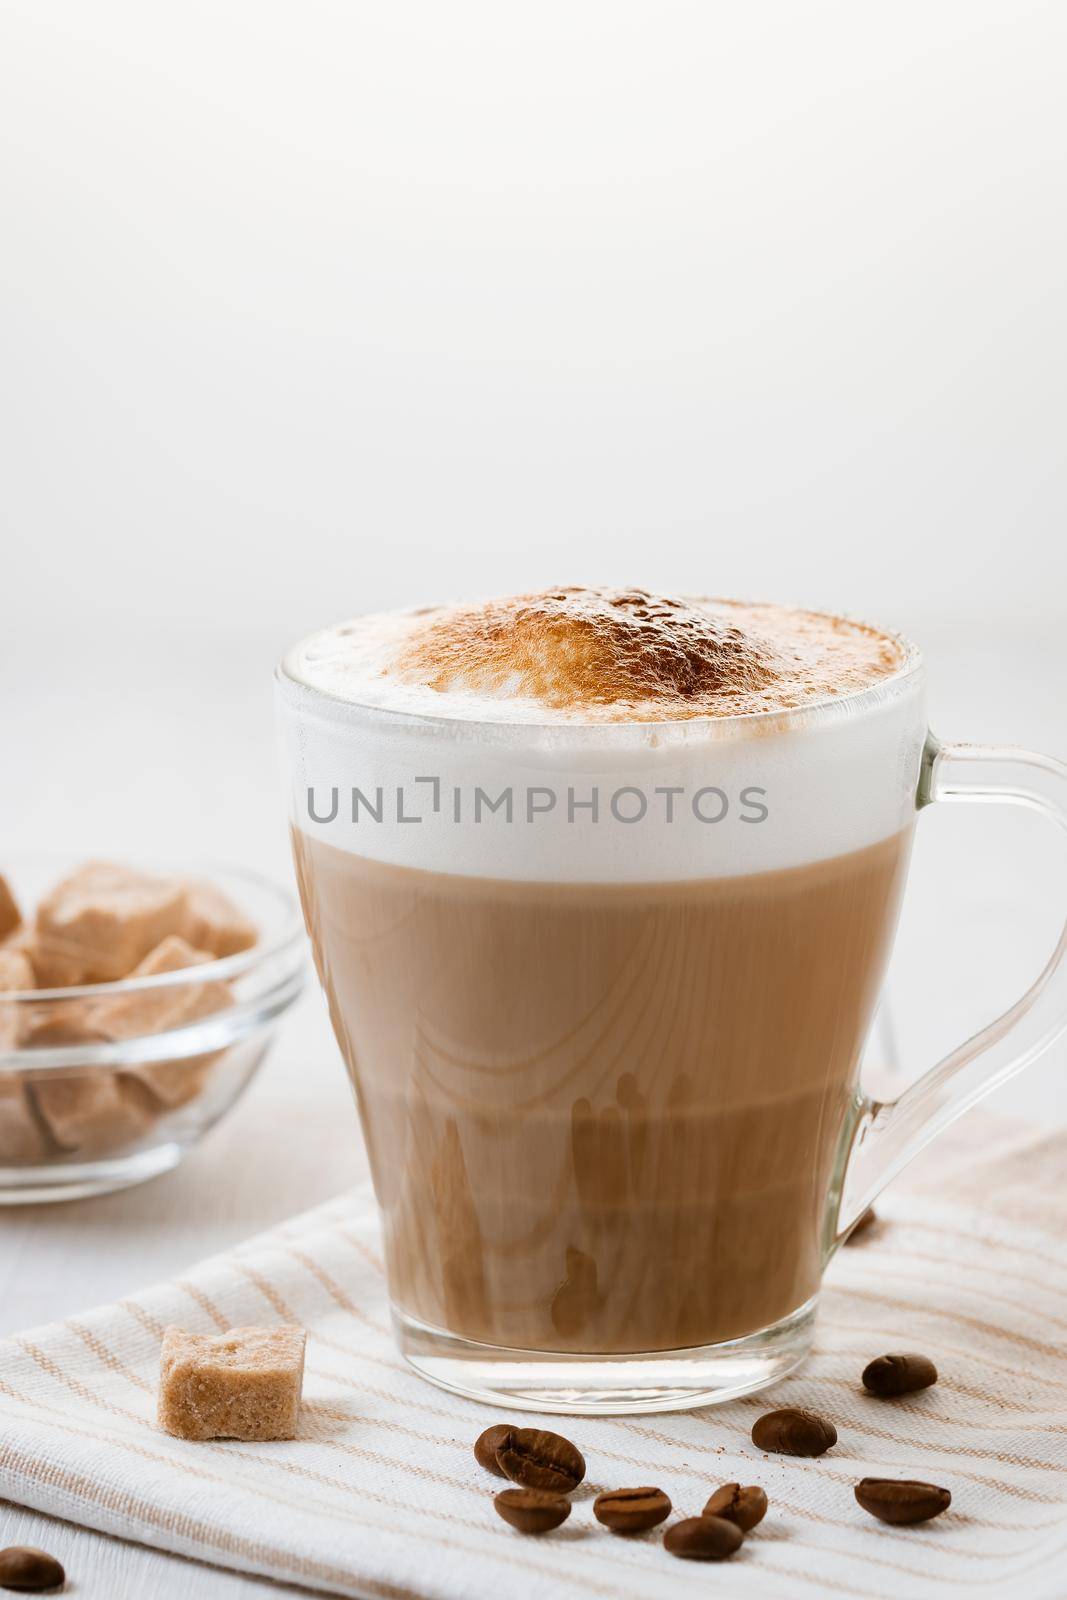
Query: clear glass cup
(603, 993)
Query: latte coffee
(601, 886)
(602, 1118)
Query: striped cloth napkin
(380, 1495)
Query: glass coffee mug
(602, 991)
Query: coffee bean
(488, 1443)
(703, 1539)
(899, 1374)
(23, 1567)
(862, 1225)
(902, 1500)
(793, 1432)
(745, 1504)
(532, 1510)
(631, 1510)
(540, 1460)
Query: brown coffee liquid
(602, 1119)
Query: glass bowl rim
(285, 937)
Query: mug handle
(886, 1134)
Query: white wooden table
(183, 762)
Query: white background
(312, 308)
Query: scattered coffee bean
(703, 1539)
(793, 1432)
(631, 1510)
(488, 1443)
(745, 1504)
(23, 1567)
(862, 1224)
(532, 1510)
(902, 1500)
(899, 1374)
(540, 1460)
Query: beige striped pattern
(380, 1495)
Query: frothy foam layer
(584, 736)
(595, 655)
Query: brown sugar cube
(55, 966)
(10, 1025)
(170, 1006)
(15, 970)
(22, 1142)
(54, 1024)
(158, 1011)
(21, 940)
(92, 1112)
(10, 915)
(244, 1384)
(51, 1026)
(212, 922)
(97, 924)
(15, 974)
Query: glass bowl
(107, 1084)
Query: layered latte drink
(601, 887)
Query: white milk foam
(504, 785)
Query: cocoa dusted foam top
(596, 655)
